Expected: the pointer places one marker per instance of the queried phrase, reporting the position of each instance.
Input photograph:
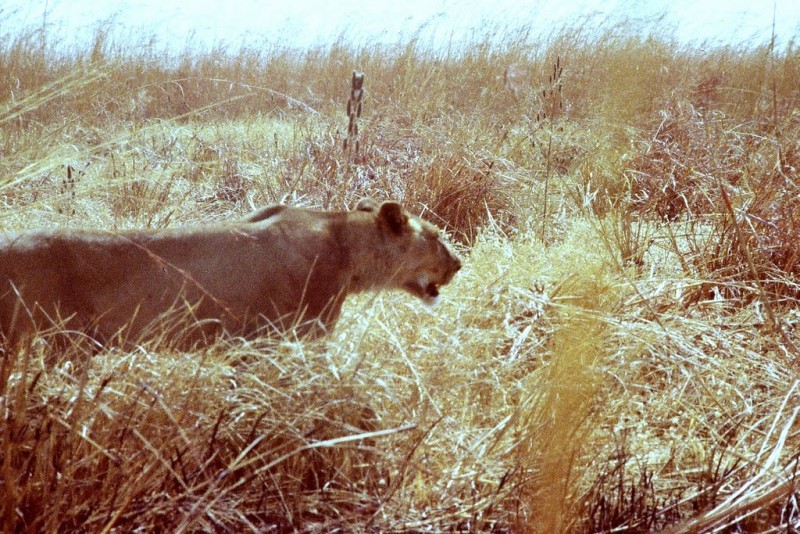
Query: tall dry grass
(618, 353)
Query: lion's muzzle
(427, 287)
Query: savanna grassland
(618, 353)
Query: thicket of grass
(619, 352)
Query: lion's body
(275, 270)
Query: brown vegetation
(619, 352)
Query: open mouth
(432, 290)
(427, 291)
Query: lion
(279, 270)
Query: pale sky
(303, 23)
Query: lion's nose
(456, 265)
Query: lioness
(278, 269)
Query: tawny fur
(278, 269)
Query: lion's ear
(366, 204)
(394, 216)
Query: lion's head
(420, 260)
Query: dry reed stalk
(552, 101)
(353, 140)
